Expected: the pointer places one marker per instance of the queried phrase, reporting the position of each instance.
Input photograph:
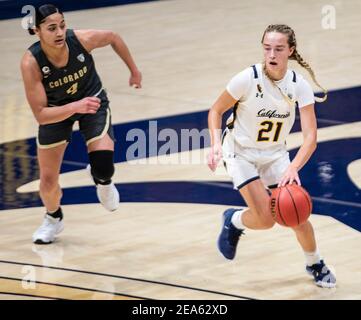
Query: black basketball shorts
(91, 126)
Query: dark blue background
(12, 9)
(336, 196)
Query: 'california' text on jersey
(260, 120)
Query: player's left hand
(135, 79)
(290, 176)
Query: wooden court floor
(187, 51)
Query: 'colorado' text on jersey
(77, 80)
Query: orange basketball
(291, 205)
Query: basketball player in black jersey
(62, 87)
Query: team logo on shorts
(46, 71)
(81, 57)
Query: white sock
(237, 219)
(312, 257)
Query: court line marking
(30, 295)
(74, 163)
(347, 203)
(335, 122)
(317, 199)
(324, 120)
(78, 288)
(128, 278)
(223, 184)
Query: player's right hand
(87, 105)
(214, 156)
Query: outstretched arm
(92, 39)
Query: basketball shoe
(229, 236)
(108, 194)
(46, 233)
(322, 275)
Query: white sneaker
(48, 230)
(108, 194)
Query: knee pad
(102, 165)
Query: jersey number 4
(264, 133)
(73, 89)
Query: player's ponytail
(296, 56)
(40, 15)
(31, 31)
(288, 31)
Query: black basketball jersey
(77, 80)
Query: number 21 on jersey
(268, 132)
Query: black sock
(57, 214)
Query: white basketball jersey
(262, 118)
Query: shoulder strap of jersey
(230, 125)
(70, 33)
(255, 73)
(39, 55)
(71, 36)
(35, 49)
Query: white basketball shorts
(244, 164)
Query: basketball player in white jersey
(253, 147)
